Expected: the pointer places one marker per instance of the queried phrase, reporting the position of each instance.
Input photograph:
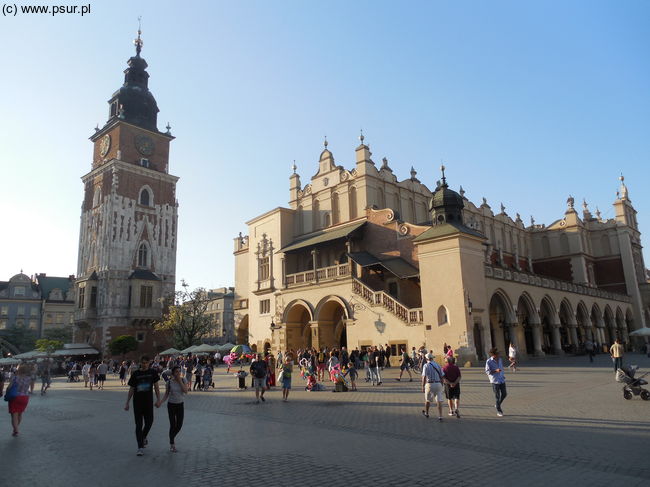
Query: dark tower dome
(446, 205)
(133, 102)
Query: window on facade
(60, 318)
(336, 216)
(93, 297)
(328, 220)
(145, 197)
(19, 291)
(82, 297)
(265, 306)
(442, 316)
(20, 311)
(143, 255)
(316, 215)
(139, 336)
(20, 323)
(33, 324)
(4, 310)
(264, 268)
(49, 318)
(3, 324)
(33, 311)
(353, 203)
(146, 296)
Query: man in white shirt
(102, 369)
(84, 371)
(432, 376)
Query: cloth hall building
(361, 258)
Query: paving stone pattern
(566, 423)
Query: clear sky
(526, 102)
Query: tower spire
(138, 42)
(444, 179)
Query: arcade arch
(331, 315)
(501, 320)
(298, 329)
(242, 331)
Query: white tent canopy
(641, 332)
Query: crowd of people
(339, 366)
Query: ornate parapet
(550, 283)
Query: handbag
(280, 376)
(12, 391)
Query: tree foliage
(187, 318)
(123, 344)
(20, 337)
(49, 346)
(62, 334)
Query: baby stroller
(632, 385)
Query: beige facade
(361, 258)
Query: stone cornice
(132, 168)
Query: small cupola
(446, 204)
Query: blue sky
(526, 102)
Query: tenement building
(127, 243)
(361, 258)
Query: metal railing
(413, 316)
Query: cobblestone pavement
(566, 423)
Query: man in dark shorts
(142, 383)
(452, 385)
(259, 369)
(405, 365)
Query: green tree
(187, 318)
(49, 346)
(122, 345)
(63, 334)
(22, 338)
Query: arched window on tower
(353, 203)
(97, 196)
(316, 215)
(145, 198)
(443, 318)
(605, 245)
(143, 255)
(381, 198)
(300, 227)
(336, 217)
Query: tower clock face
(104, 145)
(144, 145)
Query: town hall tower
(128, 235)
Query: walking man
(452, 385)
(142, 383)
(616, 351)
(432, 376)
(405, 365)
(102, 369)
(494, 370)
(259, 369)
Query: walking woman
(286, 378)
(123, 373)
(92, 374)
(18, 404)
(176, 387)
